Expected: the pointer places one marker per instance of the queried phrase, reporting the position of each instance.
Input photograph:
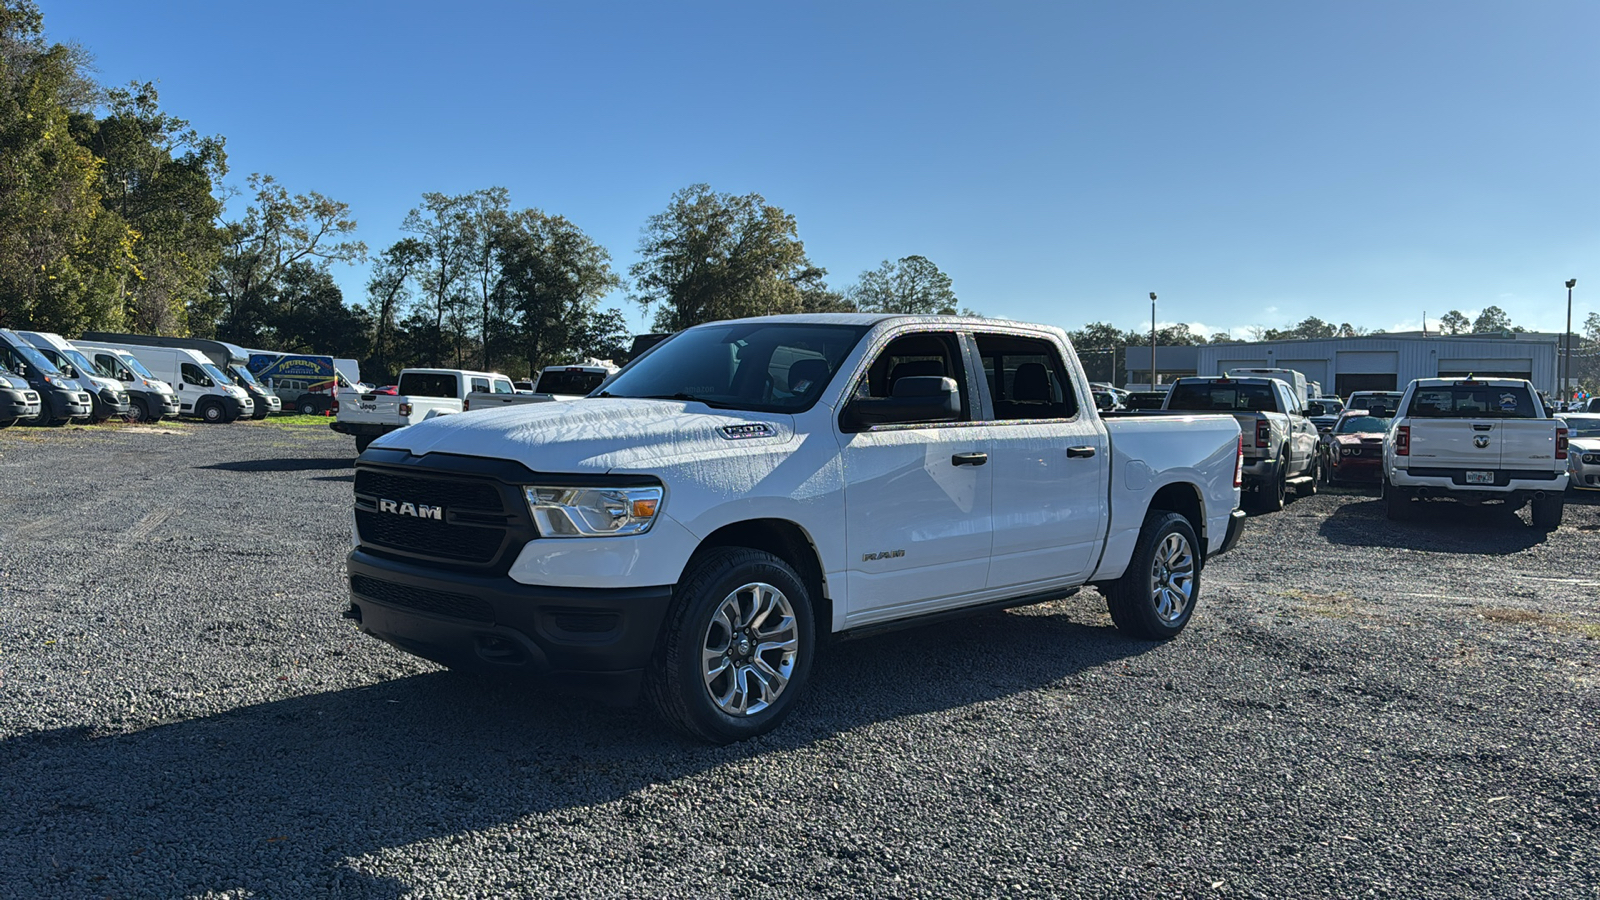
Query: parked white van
(203, 389)
(149, 398)
(109, 396)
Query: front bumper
(69, 404)
(595, 637)
(1356, 468)
(15, 404)
(1584, 476)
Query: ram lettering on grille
(418, 510)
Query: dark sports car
(1353, 449)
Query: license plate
(1480, 477)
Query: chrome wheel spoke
(749, 649)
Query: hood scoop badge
(747, 431)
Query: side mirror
(915, 398)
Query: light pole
(1566, 339)
(1153, 340)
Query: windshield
(1583, 428)
(753, 365)
(36, 359)
(85, 367)
(1229, 396)
(1471, 401)
(242, 376)
(217, 375)
(134, 364)
(563, 382)
(1360, 424)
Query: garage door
(1487, 368)
(1223, 365)
(1368, 362)
(1346, 384)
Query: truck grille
(441, 603)
(425, 537)
(450, 494)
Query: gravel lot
(1359, 708)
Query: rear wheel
(1308, 488)
(1397, 503)
(308, 407)
(1156, 596)
(1271, 496)
(736, 648)
(1547, 512)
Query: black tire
(1308, 488)
(261, 410)
(139, 411)
(100, 414)
(7, 423)
(1397, 503)
(678, 686)
(308, 407)
(363, 442)
(1270, 497)
(1547, 512)
(212, 412)
(1135, 599)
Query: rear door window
(429, 384)
(1027, 379)
(481, 385)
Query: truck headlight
(593, 511)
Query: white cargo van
(203, 389)
(149, 398)
(1295, 380)
(110, 397)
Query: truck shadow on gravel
(1440, 527)
(274, 799)
(286, 464)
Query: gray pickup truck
(1280, 442)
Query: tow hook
(353, 614)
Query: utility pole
(1566, 340)
(1153, 337)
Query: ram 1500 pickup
(422, 394)
(1475, 440)
(1280, 442)
(750, 488)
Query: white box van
(1295, 380)
(109, 396)
(203, 389)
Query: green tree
(160, 177)
(552, 278)
(913, 285)
(1453, 322)
(1493, 318)
(712, 256)
(60, 256)
(308, 314)
(277, 231)
(445, 226)
(389, 297)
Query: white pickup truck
(1280, 441)
(555, 384)
(750, 488)
(420, 395)
(1475, 441)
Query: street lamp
(1153, 340)
(1566, 339)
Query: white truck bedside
(751, 488)
(421, 394)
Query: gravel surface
(1359, 708)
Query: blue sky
(1252, 163)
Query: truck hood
(597, 434)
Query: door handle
(969, 459)
(1079, 452)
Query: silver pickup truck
(1280, 442)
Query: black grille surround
(442, 603)
(484, 523)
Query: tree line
(113, 217)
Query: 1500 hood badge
(417, 510)
(748, 430)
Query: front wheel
(1156, 596)
(138, 411)
(736, 648)
(213, 413)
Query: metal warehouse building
(1378, 363)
